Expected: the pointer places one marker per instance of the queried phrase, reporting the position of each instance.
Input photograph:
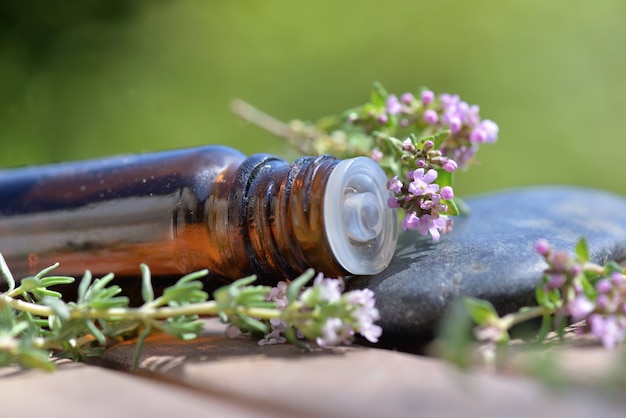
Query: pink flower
(455, 124)
(376, 155)
(334, 332)
(407, 145)
(606, 329)
(365, 314)
(421, 183)
(430, 117)
(276, 335)
(542, 247)
(485, 131)
(395, 185)
(427, 97)
(447, 193)
(434, 205)
(580, 307)
(411, 221)
(428, 224)
(604, 286)
(393, 203)
(278, 295)
(450, 165)
(407, 98)
(330, 289)
(393, 105)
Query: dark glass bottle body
(185, 210)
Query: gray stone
(490, 254)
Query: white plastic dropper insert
(361, 229)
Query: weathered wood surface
(217, 376)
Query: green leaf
(223, 317)
(454, 336)
(18, 328)
(480, 310)
(294, 288)
(47, 270)
(612, 267)
(555, 297)
(6, 273)
(42, 292)
(69, 329)
(108, 303)
(56, 280)
(99, 284)
(36, 359)
(444, 178)
(582, 250)
(379, 95)
(546, 327)
(58, 306)
(254, 296)
(183, 327)
(462, 206)
(560, 328)
(292, 337)
(586, 283)
(139, 346)
(453, 209)
(254, 324)
(147, 292)
(245, 281)
(542, 296)
(193, 276)
(95, 331)
(120, 328)
(440, 137)
(188, 292)
(29, 283)
(83, 286)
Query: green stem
(592, 267)
(141, 313)
(23, 306)
(265, 313)
(518, 317)
(261, 119)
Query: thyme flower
(322, 313)
(403, 133)
(572, 288)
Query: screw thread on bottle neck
(318, 212)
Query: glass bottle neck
(318, 212)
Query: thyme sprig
(36, 323)
(573, 290)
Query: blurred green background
(82, 79)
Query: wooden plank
(347, 382)
(79, 390)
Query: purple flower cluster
(278, 295)
(358, 313)
(325, 313)
(422, 200)
(603, 306)
(466, 128)
(562, 268)
(606, 315)
(444, 132)
(430, 114)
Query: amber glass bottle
(207, 207)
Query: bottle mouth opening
(361, 229)
(362, 215)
